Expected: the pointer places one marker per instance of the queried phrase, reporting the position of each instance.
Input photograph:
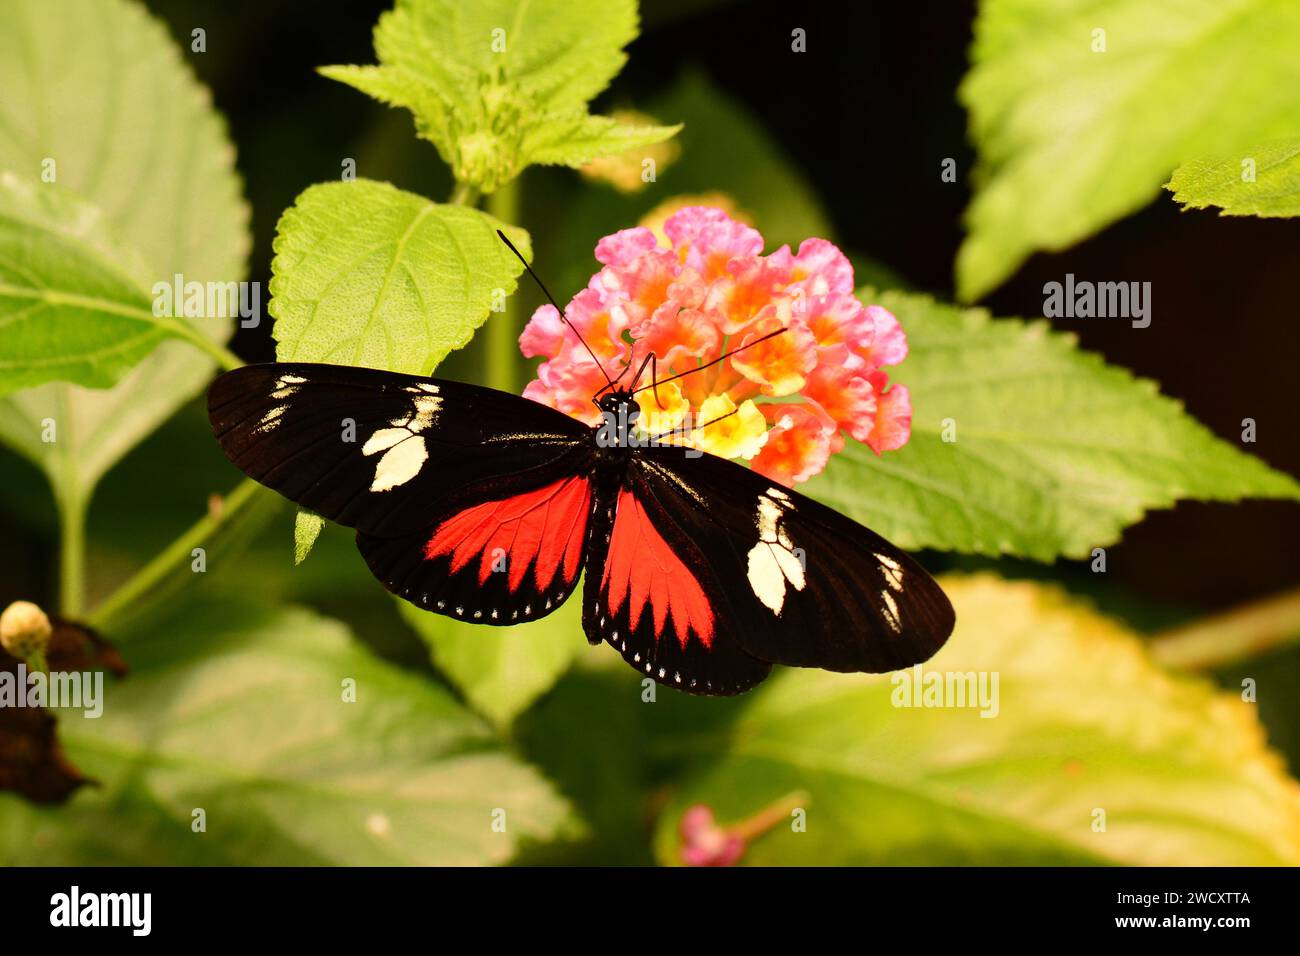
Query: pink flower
(704, 843)
(712, 291)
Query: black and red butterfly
(487, 507)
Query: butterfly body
(488, 507)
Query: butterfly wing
(508, 551)
(466, 500)
(785, 579)
(376, 450)
(652, 594)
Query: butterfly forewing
(375, 450)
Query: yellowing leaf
(1094, 756)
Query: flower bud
(24, 630)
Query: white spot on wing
(400, 463)
(772, 562)
(271, 418)
(892, 571)
(287, 385)
(891, 612)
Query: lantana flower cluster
(784, 404)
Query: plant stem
(70, 500)
(502, 334)
(769, 817)
(36, 662)
(178, 553)
(464, 195)
(72, 554)
(1235, 635)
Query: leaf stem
(227, 359)
(1235, 635)
(502, 333)
(178, 553)
(177, 327)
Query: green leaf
(496, 83)
(1084, 722)
(1055, 451)
(247, 720)
(307, 526)
(1272, 190)
(578, 139)
(502, 670)
(1071, 140)
(367, 274)
(73, 305)
(101, 91)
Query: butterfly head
(619, 403)
(619, 412)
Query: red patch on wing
(546, 525)
(642, 568)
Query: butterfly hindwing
(651, 595)
(375, 450)
(806, 585)
(505, 552)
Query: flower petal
(893, 420)
(724, 430)
(822, 268)
(749, 286)
(624, 246)
(797, 447)
(662, 409)
(781, 363)
(846, 396)
(889, 344)
(706, 239)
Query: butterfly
(488, 507)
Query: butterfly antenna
(701, 368)
(558, 308)
(711, 421)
